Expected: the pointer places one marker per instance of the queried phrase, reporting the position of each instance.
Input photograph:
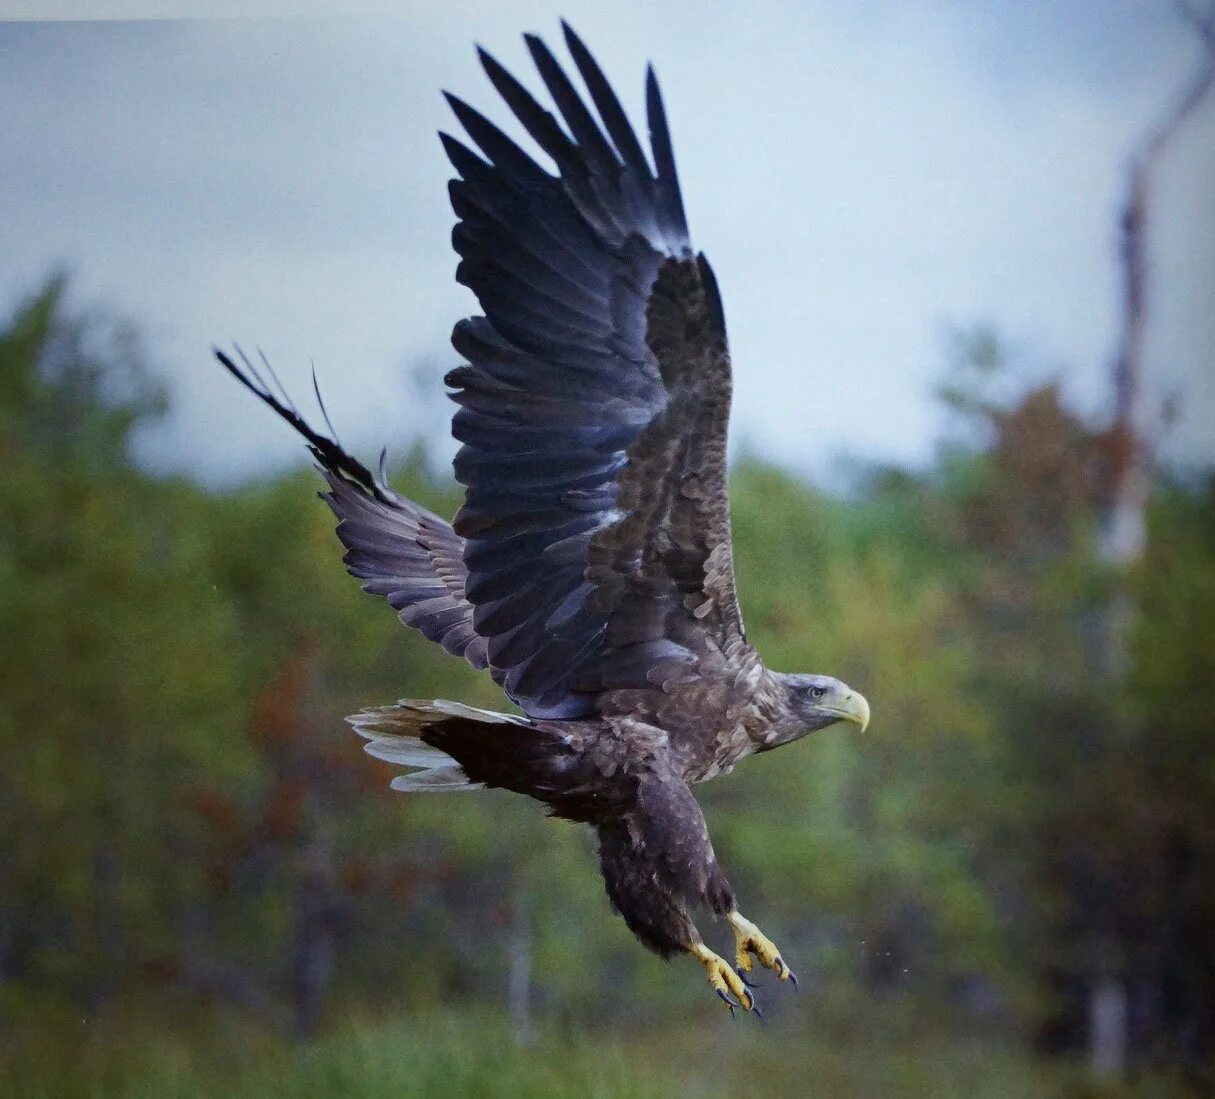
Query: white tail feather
(436, 779)
(435, 769)
(406, 751)
(458, 709)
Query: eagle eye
(817, 692)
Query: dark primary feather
(595, 403)
(396, 547)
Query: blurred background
(968, 259)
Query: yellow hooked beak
(854, 707)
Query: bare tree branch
(1124, 528)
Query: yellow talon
(726, 983)
(749, 940)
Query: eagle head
(812, 702)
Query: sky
(864, 177)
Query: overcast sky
(862, 176)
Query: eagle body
(626, 773)
(590, 569)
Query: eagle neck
(781, 722)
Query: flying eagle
(589, 570)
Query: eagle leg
(749, 940)
(728, 985)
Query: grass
(136, 1054)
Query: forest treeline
(185, 817)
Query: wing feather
(398, 548)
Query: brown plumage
(590, 568)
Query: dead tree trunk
(1126, 482)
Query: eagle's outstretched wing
(595, 403)
(395, 546)
(593, 552)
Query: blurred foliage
(188, 831)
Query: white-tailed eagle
(589, 570)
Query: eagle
(589, 570)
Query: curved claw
(725, 982)
(742, 976)
(784, 972)
(751, 942)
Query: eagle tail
(394, 734)
(450, 746)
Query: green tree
(118, 662)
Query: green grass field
(135, 1055)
